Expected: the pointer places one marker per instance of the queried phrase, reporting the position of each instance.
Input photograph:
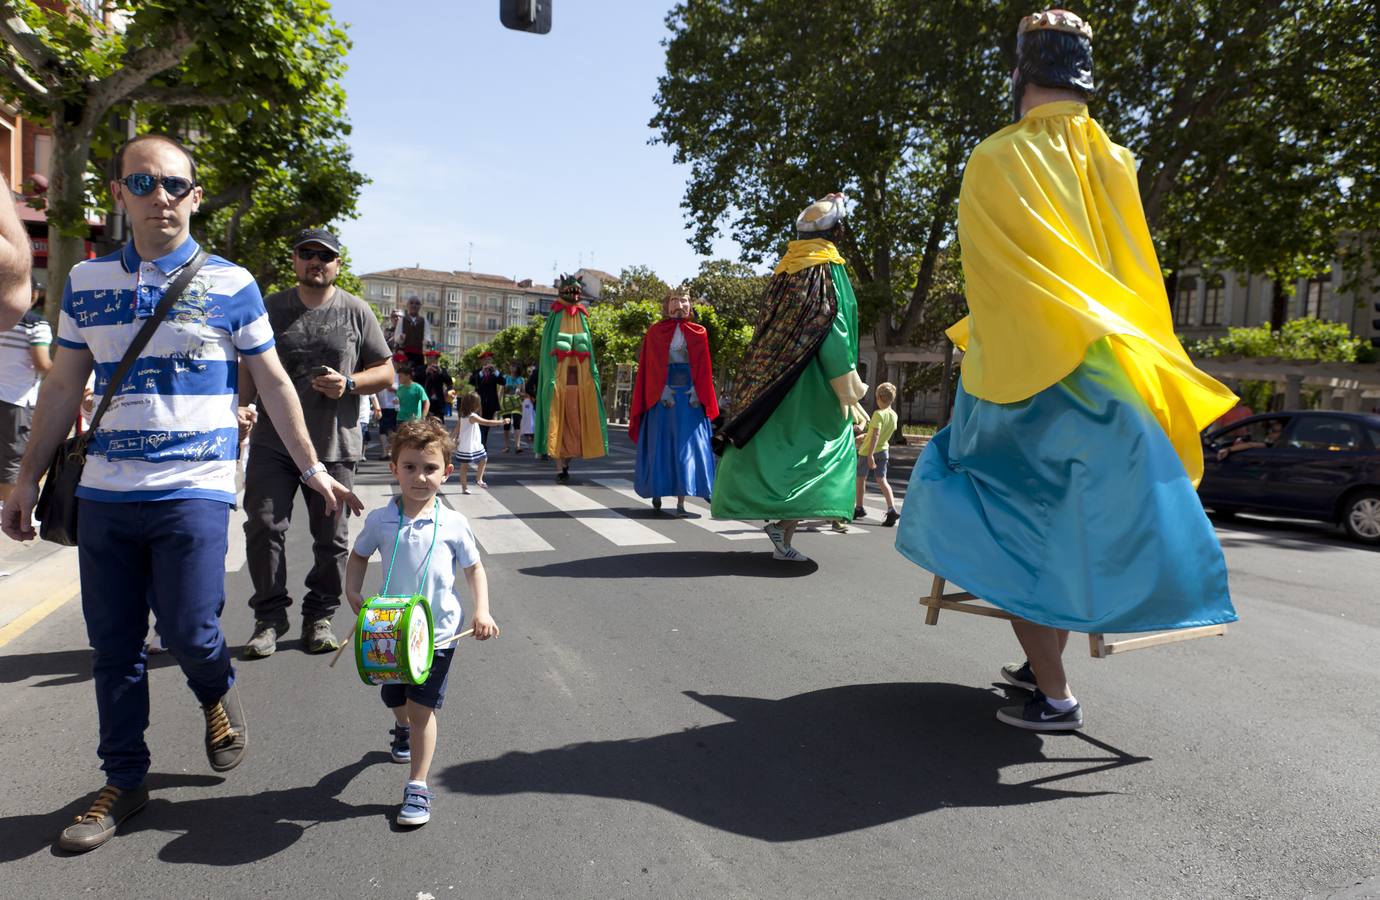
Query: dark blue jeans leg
(187, 544)
(115, 575)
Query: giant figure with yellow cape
(570, 406)
(1063, 490)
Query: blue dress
(674, 457)
(1069, 509)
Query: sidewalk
(37, 578)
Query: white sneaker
(777, 535)
(791, 554)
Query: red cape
(653, 360)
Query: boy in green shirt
(412, 401)
(873, 453)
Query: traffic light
(525, 15)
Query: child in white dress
(469, 445)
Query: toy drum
(394, 641)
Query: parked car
(1306, 465)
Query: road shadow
(676, 564)
(813, 765)
(1295, 534)
(64, 667)
(22, 836)
(233, 831)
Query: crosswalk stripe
(609, 524)
(497, 529)
(727, 528)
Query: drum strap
(426, 564)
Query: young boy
(417, 524)
(873, 453)
(413, 404)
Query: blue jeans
(167, 556)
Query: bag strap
(145, 334)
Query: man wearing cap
(412, 334)
(334, 351)
(487, 382)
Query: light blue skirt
(1069, 509)
(674, 457)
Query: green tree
(635, 284)
(227, 58)
(733, 289)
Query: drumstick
(343, 644)
(450, 640)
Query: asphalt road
(688, 718)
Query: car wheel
(1361, 516)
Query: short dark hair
(118, 163)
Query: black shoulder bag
(57, 503)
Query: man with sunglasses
(159, 479)
(334, 352)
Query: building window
(1318, 299)
(472, 301)
(531, 307)
(1214, 301)
(493, 323)
(430, 296)
(514, 303)
(430, 317)
(452, 296)
(388, 290)
(495, 302)
(1184, 299)
(471, 320)
(452, 337)
(453, 317)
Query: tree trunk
(66, 211)
(1279, 306)
(946, 384)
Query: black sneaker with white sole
(1021, 676)
(1038, 715)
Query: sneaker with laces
(777, 535)
(892, 516)
(401, 747)
(1020, 676)
(108, 809)
(790, 554)
(227, 735)
(416, 807)
(1038, 715)
(265, 638)
(859, 512)
(838, 526)
(318, 637)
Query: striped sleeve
(41, 334)
(69, 335)
(249, 326)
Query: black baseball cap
(316, 236)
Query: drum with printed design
(394, 641)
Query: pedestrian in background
(24, 358)
(874, 455)
(16, 262)
(334, 352)
(388, 415)
(488, 384)
(412, 400)
(412, 335)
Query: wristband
(312, 472)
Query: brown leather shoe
(97, 825)
(227, 735)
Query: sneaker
(227, 735)
(859, 512)
(401, 747)
(97, 825)
(317, 636)
(838, 527)
(777, 535)
(416, 808)
(892, 517)
(1021, 676)
(1038, 715)
(265, 639)
(790, 554)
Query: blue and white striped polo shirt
(171, 431)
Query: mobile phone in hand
(320, 370)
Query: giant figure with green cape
(570, 407)
(788, 450)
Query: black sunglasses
(141, 184)
(306, 254)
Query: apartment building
(463, 308)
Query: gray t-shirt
(343, 334)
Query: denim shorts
(880, 472)
(431, 693)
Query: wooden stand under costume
(1098, 646)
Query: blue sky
(533, 147)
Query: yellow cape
(803, 254)
(1057, 255)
